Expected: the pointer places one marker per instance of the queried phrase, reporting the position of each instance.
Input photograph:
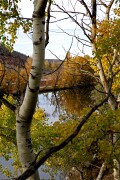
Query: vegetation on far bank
(73, 71)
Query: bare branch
(105, 5)
(72, 12)
(47, 23)
(108, 7)
(56, 68)
(86, 7)
(77, 38)
(74, 20)
(101, 172)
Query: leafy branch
(54, 149)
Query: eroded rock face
(74, 174)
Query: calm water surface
(68, 102)
(65, 103)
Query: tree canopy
(95, 133)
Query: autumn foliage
(77, 71)
(74, 71)
(13, 78)
(108, 51)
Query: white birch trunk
(113, 105)
(112, 101)
(116, 170)
(101, 172)
(25, 112)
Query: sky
(60, 42)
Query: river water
(65, 103)
(68, 102)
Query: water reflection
(67, 103)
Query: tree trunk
(101, 172)
(116, 170)
(24, 114)
(112, 101)
(106, 86)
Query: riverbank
(67, 74)
(57, 74)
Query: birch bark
(26, 110)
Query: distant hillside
(16, 58)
